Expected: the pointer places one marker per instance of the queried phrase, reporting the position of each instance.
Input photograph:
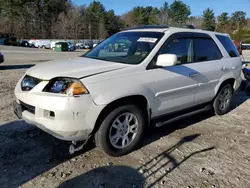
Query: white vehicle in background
(81, 45)
(114, 93)
(32, 42)
(96, 43)
(44, 44)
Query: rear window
(205, 49)
(228, 45)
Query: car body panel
(211, 76)
(75, 68)
(166, 90)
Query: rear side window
(205, 49)
(228, 45)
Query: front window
(126, 47)
(181, 47)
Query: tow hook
(77, 146)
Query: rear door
(208, 62)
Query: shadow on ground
(41, 61)
(107, 176)
(123, 176)
(14, 67)
(238, 99)
(26, 152)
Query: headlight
(69, 86)
(29, 82)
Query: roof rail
(189, 27)
(150, 27)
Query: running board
(206, 108)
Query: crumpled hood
(76, 68)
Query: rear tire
(121, 130)
(223, 100)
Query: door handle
(224, 69)
(193, 74)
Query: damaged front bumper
(62, 135)
(65, 117)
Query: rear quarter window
(228, 45)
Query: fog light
(52, 114)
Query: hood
(76, 68)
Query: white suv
(113, 92)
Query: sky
(197, 6)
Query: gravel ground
(201, 151)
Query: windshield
(126, 47)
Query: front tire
(223, 100)
(121, 130)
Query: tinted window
(126, 47)
(182, 47)
(205, 49)
(228, 45)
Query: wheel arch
(138, 100)
(231, 81)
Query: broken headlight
(29, 82)
(69, 86)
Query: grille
(27, 107)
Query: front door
(175, 87)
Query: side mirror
(166, 60)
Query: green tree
(153, 16)
(223, 24)
(96, 16)
(238, 19)
(208, 20)
(49, 11)
(179, 13)
(223, 18)
(113, 22)
(141, 16)
(163, 15)
(242, 35)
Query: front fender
(107, 91)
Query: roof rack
(150, 27)
(189, 27)
(157, 27)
